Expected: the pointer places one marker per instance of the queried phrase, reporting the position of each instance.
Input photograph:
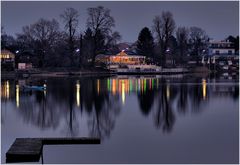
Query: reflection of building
(221, 48)
(7, 60)
(118, 85)
(5, 90)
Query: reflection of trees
(164, 117)
(183, 98)
(146, 100)
(71, 122)
(47, 110)
(235, 93)
(102, 117)
(196, 95)
(37, 110)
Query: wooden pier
(30, 149)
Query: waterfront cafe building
(121, 58)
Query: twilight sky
(218, 18)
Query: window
(229, 52)
(217, 52)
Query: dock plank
(30, 149)
(24, 150)
(53, 141)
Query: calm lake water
(172, 119)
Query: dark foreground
(30, 149)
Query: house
(221, 48)
(7, 60)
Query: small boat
(27, 87)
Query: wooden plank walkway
(30, 149)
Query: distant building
(7, 60)
(24, 66)
(221, 48)
(27, 60)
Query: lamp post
(16, 58)
(79, 54)
(168, 53)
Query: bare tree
(70, 19)
(158, 28)
(100, 22)
(198, 41)
(168, 27)
(182, 35)
(113, 38)
(111, 42)
(164, 26)
(40, 36)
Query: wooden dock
(30, 149)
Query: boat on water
(39, 88)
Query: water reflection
(78, 93)
(17, 95)
(5, 90)
(101, 101)
(204, 88)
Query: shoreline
(83, 73)
(26, 74)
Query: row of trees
(70, 47)
(192, 41)
(178, 42)
(56, 47)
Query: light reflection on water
(94, 106)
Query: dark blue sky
(218, 18)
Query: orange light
(114, 86)
(78, 94)
(204, 88)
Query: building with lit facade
(221, 48)
(123, 62)
(7, 60)
(121, 58)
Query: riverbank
(65, 72)
(81, 73)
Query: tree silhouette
(182, 35)
(145, 44)
(163, 26)
(100, 22)
(146, 100)
(70, 19)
